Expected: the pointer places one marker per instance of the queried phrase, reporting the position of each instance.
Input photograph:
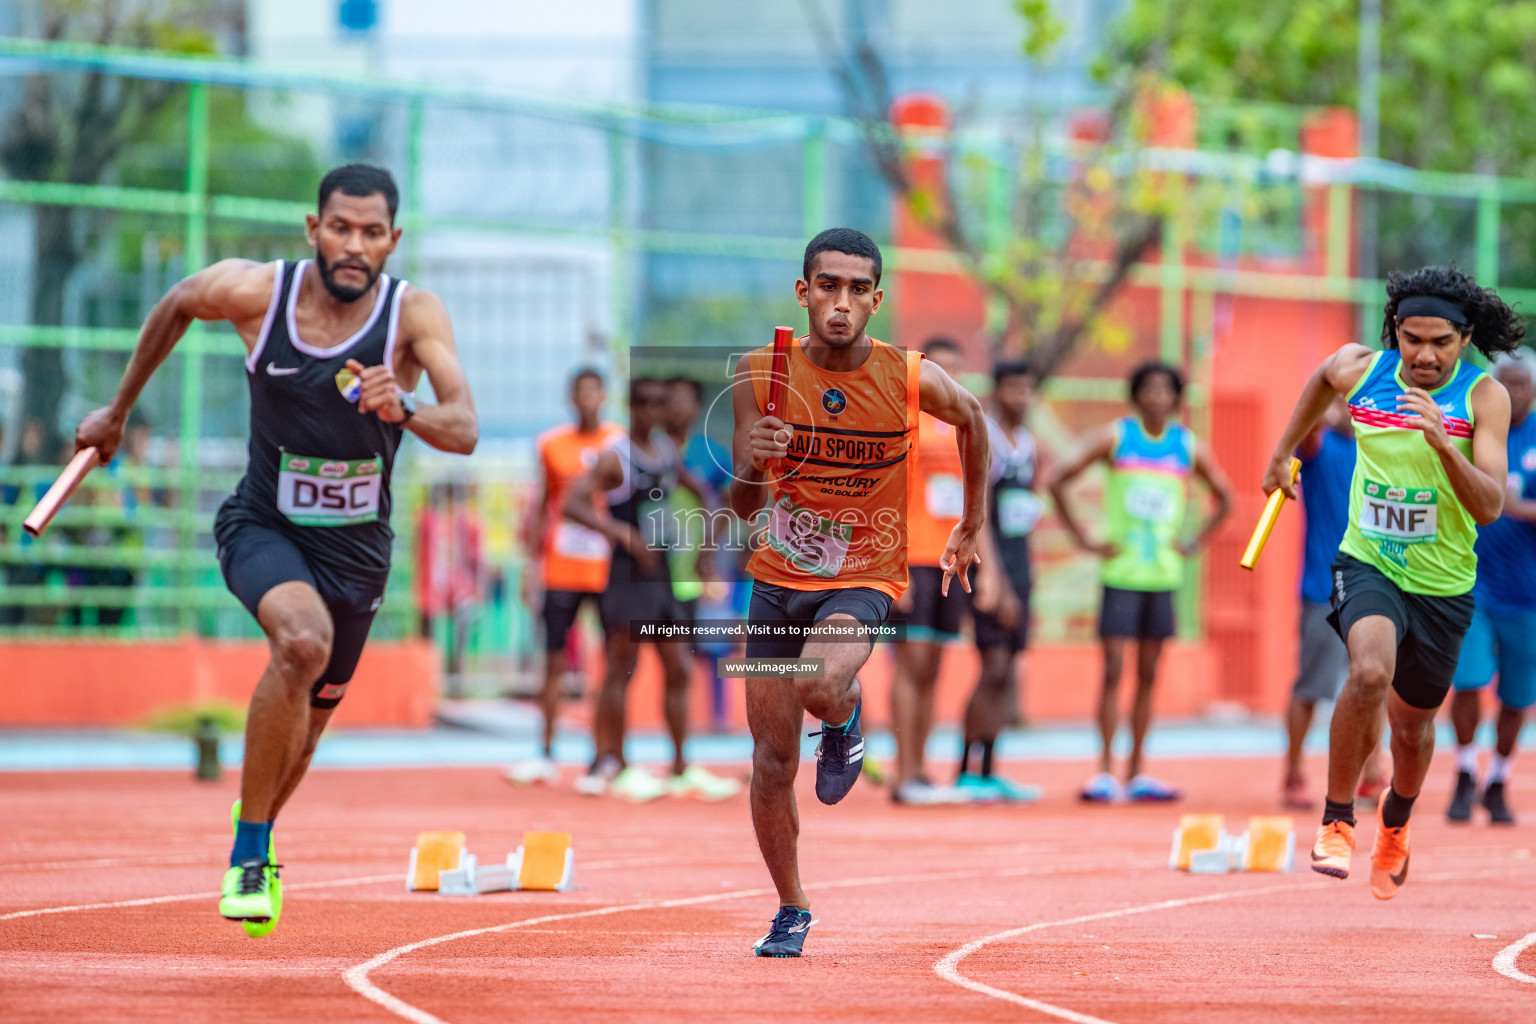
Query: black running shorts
(773, 605)
(1136, 614)
(634, 596)
(256, 558)
(934, 618)
(560, 610)
(1429, 629)
(992, 633)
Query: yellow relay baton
(1267, 521)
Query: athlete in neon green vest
(1431, 432)
(1149, 457)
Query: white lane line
(357, 978)
(150, 901)
(1505, 962)
(948, 966)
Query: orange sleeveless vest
(839, 517)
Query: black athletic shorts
(772, 605)
(934, 618)
(1429, 629)
(632, 595)
(256, 558)
(560, 610)
(991, 633)
(1136, 614)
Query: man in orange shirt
(569, 559)
(829, 476)
(932, 619)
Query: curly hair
(1495, 327)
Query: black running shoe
(839, 757)
(1498, 810)
(786, 935)
(1461, 802)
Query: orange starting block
(434, 853)
(1202, 845)
(441, 862)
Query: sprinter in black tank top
(638, 471)
(335, 348)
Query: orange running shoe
(1389, 859)
(1331, 852)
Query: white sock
(1499, 767)
(1466, 759)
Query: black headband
(1431, 305)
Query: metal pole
(192, 345)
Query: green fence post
(1488, 234)
(813, 179)
(192, 346)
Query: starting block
(434, 853)
(440, 861)
(1201, 845)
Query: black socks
(1344, 812)
(986, 756)
(1395, 809)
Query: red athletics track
(953, 914)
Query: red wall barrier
(112, 684)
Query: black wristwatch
(408, 403)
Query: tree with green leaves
(72, 128)
(1458, 77)
(1077, 222)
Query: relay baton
(783, 337)
(1267, 521)
(83, 462)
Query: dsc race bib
(809, 542)
(329, 492)
(1017, 512)
(1399, 515)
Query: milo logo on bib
(1396, 515)
(329, 492)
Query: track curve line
(356, 977)
(1506, 962)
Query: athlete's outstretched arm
(1206, 469)
(1337, 375)
(1479, 484)
(755, 442)
(425, 345)
(235, 290)
(942, 398)
(605, 474)
(1096, 448)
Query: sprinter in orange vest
(828, 481)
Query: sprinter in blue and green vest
(1431, 431)
(1150, 457)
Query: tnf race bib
(945, 496)
(576, 541)
(1398, 515)
(329, 492)
(1017, 512)
(1148, 504)
(809, 542)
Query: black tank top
(641, 501)
(318, 469)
